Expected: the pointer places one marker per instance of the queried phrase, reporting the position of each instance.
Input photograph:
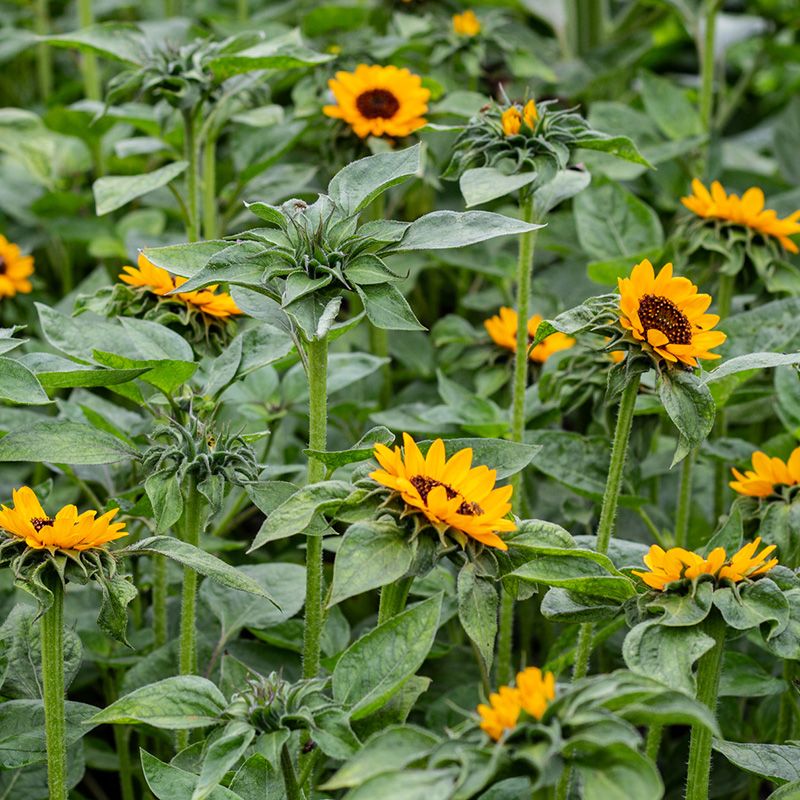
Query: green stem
(121, 741)
(293, 790)
(683, 511)
(786, 710)
(44, 59)
(505, 632)
(91, 76)
(653, 743)
(317, 368)
(243, 12)
(706, 51)
(562, 788)
(52, 630)
(709, 668)
(727, 284)
(210, 217)
(379, 346)
(608, 511)
(393, 598)
(586, 24)
(192, 176)
(160, 589)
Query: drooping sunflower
(677, 564)
(158, 281)
(667, 315)
(503, 330)
(747, 211)
(466, 23)
(67, 530)
(451, 493)
(767, 474)
(379, 101)
(15, 270)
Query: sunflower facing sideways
(15, 270)
(451, 493)
(503, 330)
(67, 530)
(668, 316)
(379, 101)
(533, 693)
(768, 475)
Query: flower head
(667, 315)
(511, 120)
(747, 211)
(379, 101)
(767, 473)
(451, 493)
(154, 279)
(15, 269)
(533, 693)
(530, 114)
(466, 24)
(503, 329)
(676, 564)
(67, 530)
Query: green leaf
(360, 182)
(776, 762)
(114, 191)
(669, 107)
(507, 458)
(296, 513)
(266, 55)
(743, 676)
(62, 442)
(751, 361)
(566, 184)
(487, 183)
(408, 784)
(442, 229)
(118, 593)
(166, 499)
(561, 605)
(117, 41)
(478, 605)
(360, 451)
(371, 554)
(618, 774)
(729, 535)
(375, 666)
(256, 779)
(388, 750)
(666, 654)
(679, 610)
(179, 703)
(690, 406)
(222, 754)
(200, 561)
(168, 782)
(241, 264)
(71, 376)
(619, 146)
(387, 308)
(165, 374)
(185, 259)
(19, 385)
(367, 269)
(759, 603)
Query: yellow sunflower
(678, 564)
(536, 691)
(154, 279)
(15, 269)
(667, 315)
(466, 24)
(747, 210)
(67, 530)
(512, 118)
(767, 473)
(451, 493)
(379, 101)
(503, 330)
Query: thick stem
(505, 632)
(243, 12)
(160, 588)
(317, 366)
(706, 52)
(709, 668)
(653, 743)
(210, 225)
(192, 176)
(293, 790)
(393, 598)
(683, 510)
(586, 24)
(52, 629)
(91, 76)
(44, 59)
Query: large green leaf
(776, 762)
(478, 605)
(670, 107)
(168, 782)
(487, 183)
(114, 191)
(222, 754)
(690, 406)
(407, 784)
(19, 385)
(117, 41)
(266, 55)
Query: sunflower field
(400, 400)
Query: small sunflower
(767, 473)
(15, 269)
(747, 211)
(379, 101)
(451, 493)
(677, 564)
(67, 530)
(158, 281)
(503, 330)
(667, 315)
(513, 117)
(533, 693)
(466, 24)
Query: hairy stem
(393, 598)
(52, 629)
(160, 588)
(210, 225)
(192, 174)
(290, 782)
(683, 510)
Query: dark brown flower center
(424, 486)
(41, 522)
(663, 315)
(3, 266)
(377, 103)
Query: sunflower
(767, 473)
(667, 315)
(676, 564)
(67, 530)
(747, 211)
(503, 329)
(451, 493)
(512, 118)
(154, 279)
(15, 269)
(379, 101)
(466, 24)
(533, 693)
